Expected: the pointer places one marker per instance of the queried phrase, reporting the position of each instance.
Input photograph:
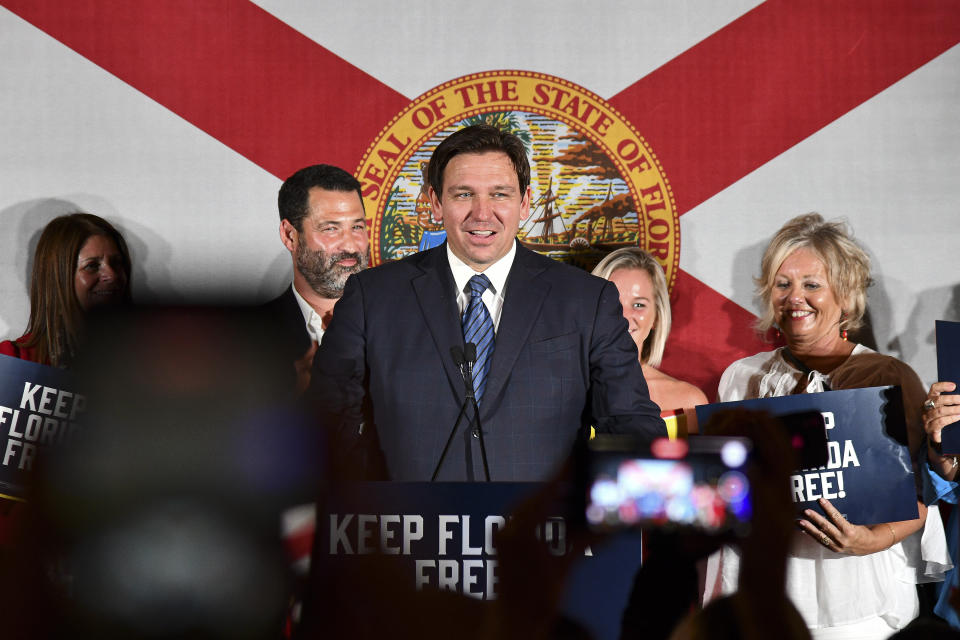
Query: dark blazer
(286, 330)
(562, 361)
(287, 318)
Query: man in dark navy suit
(556, 356)
(322, 225)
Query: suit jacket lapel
(435, 289)
(521, 307)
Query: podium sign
(441, 536)
(38, 410)
(869, 476)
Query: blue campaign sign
(868, 477)
(948, 352)
(948, 370)
(440, 535)
(38, 409)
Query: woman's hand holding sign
(941, 409)
(838, 534)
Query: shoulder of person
(756, 362)
(692, 394)
(678, 393)
(867, 368)
(9, 348)
(407, 266)
(12, 348)
(285, 299)
(735, 378)
(573, 278)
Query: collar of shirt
(497, 274)
(312, 319)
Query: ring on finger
(825, 540)
(929, 405)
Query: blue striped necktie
(478, 329)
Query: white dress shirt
(497, 274)
(310, 317)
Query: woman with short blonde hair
(847, 265)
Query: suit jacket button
(476, 433)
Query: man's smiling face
(481, 206)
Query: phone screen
(700, 485)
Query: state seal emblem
(596, 183)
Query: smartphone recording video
(698, 484)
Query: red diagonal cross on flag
(719, 111)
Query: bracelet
(893, 533)
(954, 461)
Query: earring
(843, 332)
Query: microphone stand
(464, 359)
(463, 366)
(470, 354)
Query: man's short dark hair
(478, 138)
(295, 191)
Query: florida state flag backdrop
(693, 129)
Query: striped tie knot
(478, 284)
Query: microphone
(469, 357)
(457, 354)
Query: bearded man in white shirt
(323, 226)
